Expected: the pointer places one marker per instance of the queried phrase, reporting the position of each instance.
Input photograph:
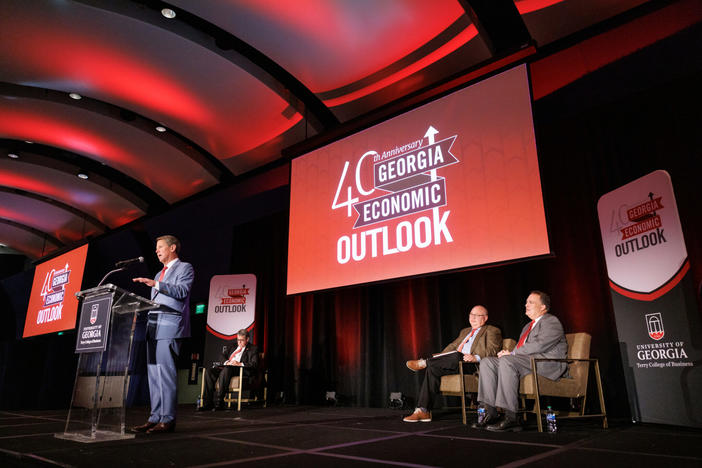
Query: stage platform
(312, 436)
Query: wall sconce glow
(12, 156)
(168, 13)
(160, 129)
(75, 96)
(82, 176)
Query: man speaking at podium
(165, 329)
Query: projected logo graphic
(654, 323)
(52, 302)
(53, 293)
(451, 184)
(408, 174)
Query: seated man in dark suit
(244, 355)
(472, 345)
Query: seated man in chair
(472, 344)
(244, 355)
(498, 385)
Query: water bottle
(481, 414)
(198, 404)
(551, 420)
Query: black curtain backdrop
(637, 115)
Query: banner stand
(654, 302)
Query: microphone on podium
(123, 263)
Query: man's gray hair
(170, 240)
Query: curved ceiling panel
(32, 244)
(550, 20)
(233, 83)
(327, 44)
(88, 197)
(60, 224)
(143, 68)
(345, 51)
(138, 154)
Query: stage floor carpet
(312, 436)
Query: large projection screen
(452, 184)
(53, 305)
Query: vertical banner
(654, 301)
(232, 306)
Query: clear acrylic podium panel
(97, 411)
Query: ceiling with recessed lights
(114, 110)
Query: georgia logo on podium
(94, 313)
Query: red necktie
(523, 338)
(231, 357)
(163, 273)
(460, 348)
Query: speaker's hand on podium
(147, 281)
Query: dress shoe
(143, 428)
(417, 365)
(505, 425)
(487, 420)
(418, 416)
(162, 428)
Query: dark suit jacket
(249, 358)
(546, 340)
(487, 343)
(174, 294)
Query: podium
(104, 344)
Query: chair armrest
(564, 359)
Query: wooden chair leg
(202, 386)
(537, 402)
(241, 385)
(463, 392)
(601, 395)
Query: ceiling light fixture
(75, 96)
(12, 156)
(82, 176)
(160, 129)
(168, 13)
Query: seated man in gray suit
(472, 344)
(165, 329)
(498, 385)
